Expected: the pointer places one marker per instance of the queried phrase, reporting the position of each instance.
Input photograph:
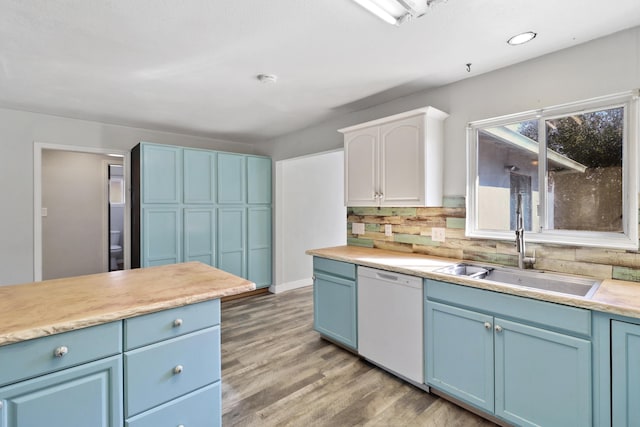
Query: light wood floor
(277, 371)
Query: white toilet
(115, 249)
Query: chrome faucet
(523, 261)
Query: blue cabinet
(259, 245)
(525, 361)
(199, 177)
(335, 301)
(178, 194)
(232, 178)
(200, 235)
(459, 349)
(161, 168)
(258, 180)
(625, 373)
(232, 240)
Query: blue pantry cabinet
(525, 361)
(202, 205)
(625, 373)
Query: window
(575, 166)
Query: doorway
(116, 202)
(71, 200)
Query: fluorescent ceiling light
(522, 38)
(396, 12)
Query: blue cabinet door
(87, 395)
(258, 180)
(232, 241)
(199, 235)
(232, 178)
(259, 246)
(199, 177)
(543, 378)
(625, 373)
(459, 353)
(335, 308)
(161, 236)
(161, 174)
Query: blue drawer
(32, 358)
(149, 376)
(202, 408)
(336, 268)
(156, 327)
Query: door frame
(37, 198)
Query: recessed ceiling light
(522, 38)
(267, 78)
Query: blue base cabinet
(335, 301)
(525, 361)
(625, 373)
(202, 205)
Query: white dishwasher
(390, 322)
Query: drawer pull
(498, 328)
(178, 369)
(177, 322)
(487, 325)
(181, 425)
(60, 351)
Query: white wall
(74, 234)
(310, 214)
(18, 131)
(600, 67)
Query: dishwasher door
(390, 325)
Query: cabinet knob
(178, 369)
(1, 405)
(60, 351)
(177, 322)
(498, 328)
(487, 325)
(181, 425)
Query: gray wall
(18, 131)
(600, 67)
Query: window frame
(628, 239)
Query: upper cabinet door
(199, 177)
(232, 178)
(361, 167)
(161, 174)
(402, 162)
(258, 180)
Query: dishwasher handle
(387, 276)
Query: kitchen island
(136, 348)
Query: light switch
(437, 234)
(44, 212)
(388, 231)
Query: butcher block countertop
(32, 310)
(613, 296)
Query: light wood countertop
(37, 309)
(613, 296)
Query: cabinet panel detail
(199, 177)
(87, 395)
(161, 174)
(258, 180)
(231, 178)
(232, 240)
(259, 245)
(335, 312)
(161, 236)
(200, 235)
(625, 375)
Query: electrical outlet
(388, 231)
(357, 228)
(437, 234)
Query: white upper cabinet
(395, 161)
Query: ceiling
(191, 66)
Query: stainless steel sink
(560, 283)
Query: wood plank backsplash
(412, 233)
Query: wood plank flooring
(277, 371)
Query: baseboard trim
(288, 286)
